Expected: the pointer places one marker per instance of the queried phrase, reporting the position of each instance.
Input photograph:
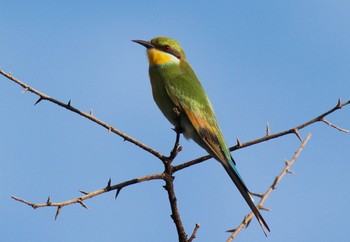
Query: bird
(182, 99)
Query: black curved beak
(146, 44)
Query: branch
(169, 187)
(194, 234)
(87, 195)
(268, 136)
(334, 126)
(264, 196)
(89, 115)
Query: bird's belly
(173, 113)
(165, 104)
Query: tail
(237, 180)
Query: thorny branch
(264, 196)
(88, 195)
(169, 170)
(89, 115)
(268, 136)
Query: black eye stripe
(168, 49)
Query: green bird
(183, 101)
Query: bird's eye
(166, 47)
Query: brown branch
(88, 195)
(89, 115)
(194, 233)
(264, 196)
(175, 214)
(169, 187)
(334, 126)
(294, 130)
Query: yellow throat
(157, 57)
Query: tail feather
(236, 178)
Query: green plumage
(183, 101)
(177, 86)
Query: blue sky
(282, 62)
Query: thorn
(296, 132)
(290, 171)
(177, 130)
(339, 103)
(83, 192)
(265, 209)
(238, 142)
(109, 184)
(109, 129)
(274, 184)
(179, 149)
(25, 90)
(48, 201)
(38, 101)
(58, 211)
(117, 193)
(68, 104)
(267, 129)
(256, 194)
(248, 222)
(82, 204)
(231, 230)
(91, 112)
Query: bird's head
(162, 50)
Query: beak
(146, 44)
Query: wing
(187, 93)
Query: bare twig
(294, 130)
(88, 195)
(176, 149)
(169, 187)
(334, 126)
(273, 186)
(268, 129)
(89, 115)
(175, 214)
(194, 233)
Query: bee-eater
(183, 101)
